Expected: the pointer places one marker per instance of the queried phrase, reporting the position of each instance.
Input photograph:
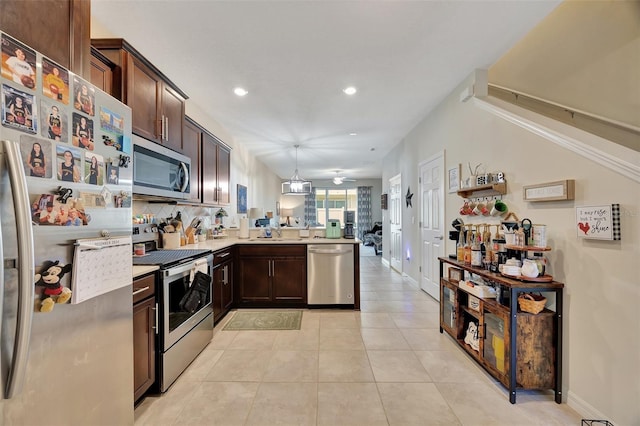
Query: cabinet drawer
(272, 250)
(144, 287)
(222, 256)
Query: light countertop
(140, 270)
(222, 243)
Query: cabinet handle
(224, 276)
(155, 325)
(141, 290)
(224, 254)
(166, 132)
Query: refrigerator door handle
(26, 261)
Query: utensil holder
(171, 240)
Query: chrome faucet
(278, 231)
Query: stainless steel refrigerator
(72, 365)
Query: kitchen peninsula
(288, 247)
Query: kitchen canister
(138, 249)
(171, 240)
(539, 235)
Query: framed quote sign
(599, 222)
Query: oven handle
(184, 266)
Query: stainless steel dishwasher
(330, 274)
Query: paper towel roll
(244, 228)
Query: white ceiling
(295, 57)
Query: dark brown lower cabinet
(271, 275)
(144, 335)
(222, 283)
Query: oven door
(176, 322)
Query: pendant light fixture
(296, 185)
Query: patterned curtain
(310, 216)
(364, 210)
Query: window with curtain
(310, 217)
(364, 215)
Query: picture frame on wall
(242, 199)
(453, 183)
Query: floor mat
(265, 320)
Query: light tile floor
(385, 365)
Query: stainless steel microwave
(159, 171)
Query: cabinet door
(254, 280)
(495, 351)
(218, 278)
(448, 310)
(289, 280)
(143, 97)
(58, 29)
(101, 72)
(173, 115)
(144, 347)
(191, 146)
(209, 169)
(227, 287)
(224, 172)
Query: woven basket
(532, 303)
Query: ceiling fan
(338, 180)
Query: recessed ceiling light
(240, 91)
(353, 134)
(350, 90)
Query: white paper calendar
(99, 266)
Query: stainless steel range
(182, 333)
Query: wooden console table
(532, 364)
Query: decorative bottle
(460, 247)
(476, 252)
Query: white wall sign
(599, 222)
(552, 191)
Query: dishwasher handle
(330, 251)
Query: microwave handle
(185, 183)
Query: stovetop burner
(168, 258)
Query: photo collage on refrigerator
(62, 126)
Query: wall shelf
(498, 188)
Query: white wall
(601, 326)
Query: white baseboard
(586, 410)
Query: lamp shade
(286, 212)
(255, 213)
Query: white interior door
(395, 222)
(432, 223)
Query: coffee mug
(499, 208)
(487, 208)
(465, 209)
(472, 206)
(479, 208)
